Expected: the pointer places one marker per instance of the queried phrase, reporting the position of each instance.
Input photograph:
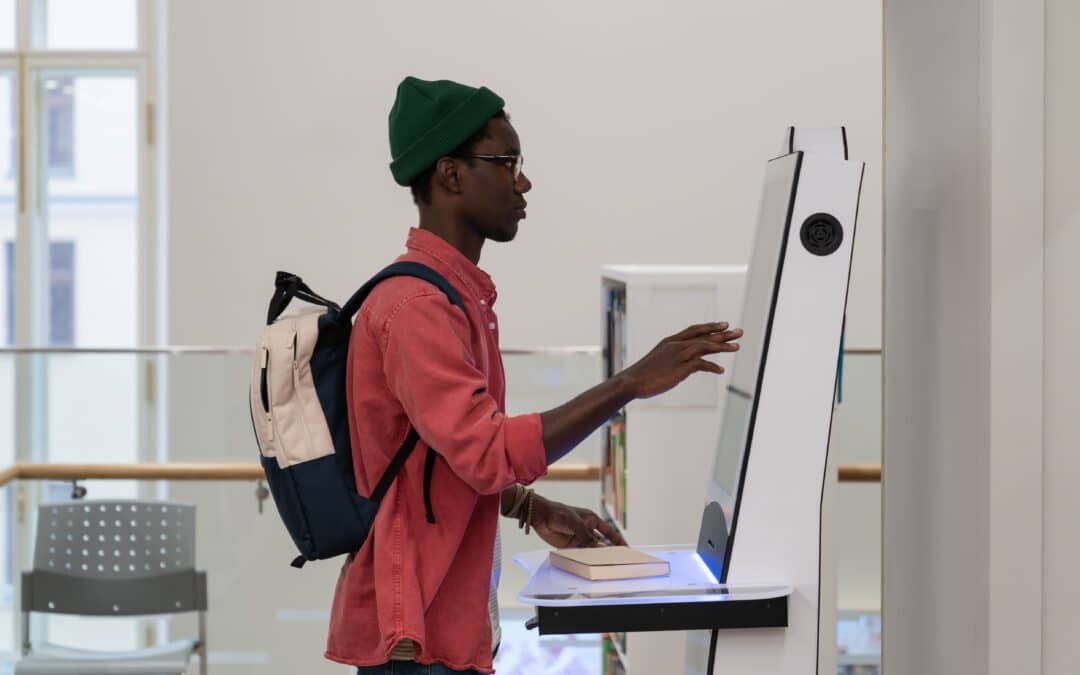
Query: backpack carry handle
(288, 286)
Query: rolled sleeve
(430, 368)
(525, 437)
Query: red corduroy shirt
(415, 357)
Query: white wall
(646, 127)
(934, 480)
(1061, 469)
(964, 584)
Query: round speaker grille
(821, 234)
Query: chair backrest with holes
(114, 558)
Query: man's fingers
(709, 347)
(595, 522)
(709, 366)
(699, 330)
(705, 346)
(725, 336)
(583, 535)
(611, 532)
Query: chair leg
(203, 666)
(26, 646)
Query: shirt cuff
(525, 447)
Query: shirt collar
(478, 282)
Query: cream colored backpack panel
(292, 427)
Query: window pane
(7, 24)
(88, 123)
(90, 24)
(90, 213)
(7, 330)
(8, 171)
(7, 522)
(89, 130)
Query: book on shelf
(608, 562)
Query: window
(79, 182)
(61, 293)
(60, 124)
(9, 285)
(76, 158)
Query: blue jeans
(410, 668)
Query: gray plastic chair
(113, 558)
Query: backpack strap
(402, 269)
(429, 468)
(395, 465)
(351, 307)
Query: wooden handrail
(9, 474)
(209, 471)
(245, 471)
(206, 471)
(859, 473)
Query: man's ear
(446, 172)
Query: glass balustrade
(123, 407)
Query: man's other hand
(565, 526)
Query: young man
(416, 597)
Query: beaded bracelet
(519, 501)
(524, 512)
(528, 511)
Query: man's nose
(522, 184)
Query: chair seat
(50, 659)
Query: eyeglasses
(512, 162)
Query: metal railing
(240, 471)
(229, 350)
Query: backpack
(301, 421)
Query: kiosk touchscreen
(762, 279)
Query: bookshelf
(657, 453)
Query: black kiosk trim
(725, 614)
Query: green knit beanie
(429, 119)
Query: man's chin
(504, 235)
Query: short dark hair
(421, 185)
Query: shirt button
(483, 302)
(491, 325)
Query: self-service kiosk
(753, 579)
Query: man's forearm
(570, 423)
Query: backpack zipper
(264, 387)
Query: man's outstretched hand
(669, 363)
(565, 526)
(677, 357)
